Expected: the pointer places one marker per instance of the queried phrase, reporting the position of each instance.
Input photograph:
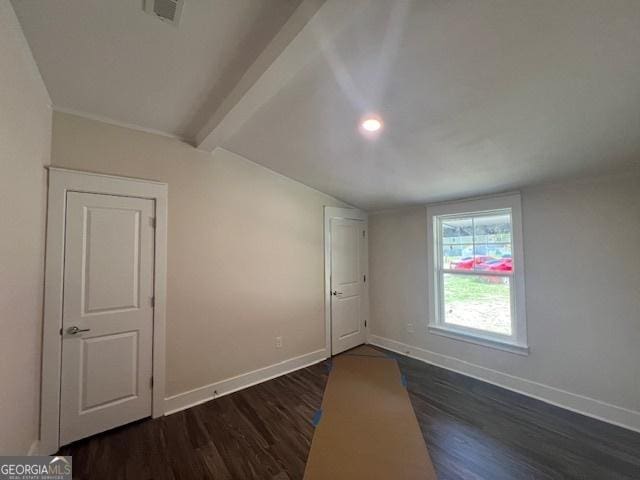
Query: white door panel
(347, 310)
(111, 281)
(108, 288)
(344, 248)
(347, 284)
(107, 383)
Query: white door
(107, 325)
(348, 301)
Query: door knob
(335, 292)
(75, 330)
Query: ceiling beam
(302, 37)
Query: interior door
(107, 325)
(348, 300)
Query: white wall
(25, 140)
(582, 271)
(245, 250)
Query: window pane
(457, 243)
(479, 302)
(492, 240)
(457, 231)
(492, 229)
(457, 256)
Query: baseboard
(590, 407)
(200, 395)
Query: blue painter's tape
(316, 418)
(403, 378)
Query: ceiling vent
(168, 11)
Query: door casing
(62, 181)
(349, 214)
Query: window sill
(479, 340)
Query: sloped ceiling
(111, 59)
(477, 96)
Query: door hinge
(151, 381)
(365, 324)
(364, 277)
(152, 301)
(363, 233)
(152, 222)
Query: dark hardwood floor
(473, 430)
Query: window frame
(517, 341)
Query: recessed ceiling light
(371, 124)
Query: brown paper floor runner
(367, 428)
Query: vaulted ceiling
(477, 96)
(111, 59)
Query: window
(476, 272)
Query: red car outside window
(468, 263)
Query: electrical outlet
(278, 342)
(409, 327)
